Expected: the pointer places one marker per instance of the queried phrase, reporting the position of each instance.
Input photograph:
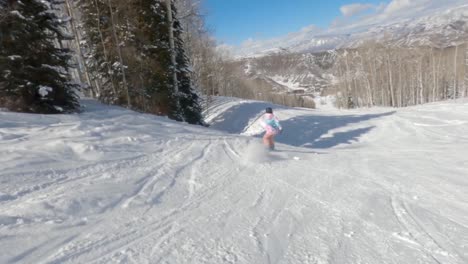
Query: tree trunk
(465, 93)
(348, 84)
(119, 52)
(438, 76)
(390, 78)
(172, 46)
(400, 82)
(367, 82)
(455, 81)
(434, 83)
(374, 77)
(104, 50)
(420, 82)
(81, 61)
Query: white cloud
(399, 5)
(310, 28)
(380, 8)
(388, 12)
(248, 42)
(354, 9)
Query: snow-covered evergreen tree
(188, 100)
(33, 69)
(152, 41)
(158, 85)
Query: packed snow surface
(113, 186)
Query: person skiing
(272, 128)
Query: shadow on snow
(307, 131)
(237, 118)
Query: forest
(160, 57)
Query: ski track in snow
(417, 234)
(114, 186)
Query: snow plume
(255, 152)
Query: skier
(272, 128)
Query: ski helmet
(269, 110)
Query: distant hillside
(438, 27)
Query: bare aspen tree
(400, 82)
(434, 73)
(420, 82)
(172, 45)
(356, 76)
(71, 44)
(402, 76)
(81, 62)
(119, 52)
(455, 75)
(439, 62)
(390, 82)
(368, 85)
(104, 49)
(341, 82)
(347, 78)
(373, 72)
(465, 91)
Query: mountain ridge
(439, 28)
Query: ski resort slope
(113, 186)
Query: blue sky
(235, 21)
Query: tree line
(128, 53)
(381, 75)
(158, 56)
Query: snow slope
(114, 186)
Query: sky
(249, 22)
(235, 21)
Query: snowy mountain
(114, 186)
(301, 62)
(442, 29)
(438, 26)
(293, 73)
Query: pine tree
(33, 70)
(153, 44)
(158, 85)
(152, 57)
(188, 99)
